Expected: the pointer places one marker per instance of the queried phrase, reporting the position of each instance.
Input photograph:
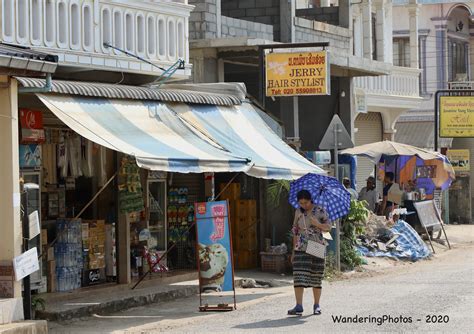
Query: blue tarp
(410, 245)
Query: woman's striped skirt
(308, 270)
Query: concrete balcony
(76, 31)
(399, 90)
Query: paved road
(439, 287)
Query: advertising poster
(460, 160)
(30, 156)
(214, 246)
(456, 116)
(297, 74)
(31, 122)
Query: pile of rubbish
(386, 238)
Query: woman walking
(309, 224)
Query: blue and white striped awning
(148, 130)
(183, 138)
(242, 131)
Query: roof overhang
(227, 95)
(16, 59)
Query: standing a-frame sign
(214, 252)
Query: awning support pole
(161, 257)
(82, 211)
(95, 196)
(336, 173)
(226, 186)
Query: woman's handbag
(314, 248)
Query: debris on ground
(248, 283)
(400, 241)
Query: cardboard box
(243, 224)
(96, 263)
(246, 259)
(44, 237)
(245, 209)
(85, 231)
(93, 276)
(50, 254)
(232, 192)
(246, 240)
(6, 279)
(51, 276)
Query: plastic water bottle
(69, 279)
(60, 276)
(58, 279)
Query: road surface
(429, 296)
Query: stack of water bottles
(68, 254)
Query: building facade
(368, 91)
(73, 40)
(444, 43)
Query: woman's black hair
(390, 176)
(304, 194)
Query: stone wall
(241, 28)
(312, 31)
(260, 11)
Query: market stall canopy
(241, 130)
(375, 151)
(179, 137)
(405, 160)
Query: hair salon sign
(297, 74)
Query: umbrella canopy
(326, 192)
(375, 151)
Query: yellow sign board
(456, 116)
(460, 160)
(297, 74)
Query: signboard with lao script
(460, 160)
(26, 264)
(297, 74)
(428, 213)
(456, 116)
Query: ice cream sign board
(214, 246)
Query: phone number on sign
(299, 91)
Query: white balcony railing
(76, 31)
(403, 82)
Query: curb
(123, 304)
(117, 305)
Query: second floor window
(374, 37)
(458, 61)
(401, 52)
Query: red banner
(31, 122)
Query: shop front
(121, 167)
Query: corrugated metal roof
(24, 52)
(113, 91)
(419, 134)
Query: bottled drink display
(68, 254)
